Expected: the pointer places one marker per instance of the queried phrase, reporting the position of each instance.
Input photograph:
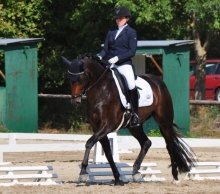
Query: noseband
(86, 89)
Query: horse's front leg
(145, 144)
(84, 176)
(107, 149)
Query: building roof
(146, 43)
(7, 41)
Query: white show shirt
(120, 28)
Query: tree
(21, 19)
(74, 27)
(170, 19)
(205, 26)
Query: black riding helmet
(122, 11)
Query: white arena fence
(204, 170)
(71, 142)
(27, 175)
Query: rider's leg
(135, 121)
(127, 71)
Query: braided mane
(93, 57)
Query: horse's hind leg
(107, 149)
(167, 133)
(145, 144)
(178, 151)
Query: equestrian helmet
(122, 11)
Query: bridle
(86, 89)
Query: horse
(104, 111)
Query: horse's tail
(183, 154)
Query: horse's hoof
(175, 182)
(137, 177)
(119, 183)
(83, 178)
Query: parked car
(212, 85)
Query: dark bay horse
(89, 75)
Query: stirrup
(135, 121)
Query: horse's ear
(66, 61)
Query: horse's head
(84, 73)
(77, 76)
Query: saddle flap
(144, 89)
(122, 83)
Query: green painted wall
(176, 77)
(21, 98)
(2, 105)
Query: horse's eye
(80, 80)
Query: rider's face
(121, 21)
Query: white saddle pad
(146, 93)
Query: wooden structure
(13, 175)
(175, 68)
(102, 173)
(19, 100)
(204, 170)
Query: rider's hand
(100, 57)
(113, 60)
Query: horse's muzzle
(76, 100)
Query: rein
(85, 90)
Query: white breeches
(127, 71)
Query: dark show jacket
(124, 46)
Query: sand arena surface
(65, 164)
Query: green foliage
(74, 27)
(214, 111)
(154, 133)
(4, 130)
(190, 135)
(21, 19)
(207, 14)
(201, 120)
(61, 114)
(210, 112)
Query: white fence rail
(77, 142)
(204, 170)
(102, 172)
(29, 175)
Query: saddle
(145, 94)
(124, 88)
(123, 84)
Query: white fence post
(99, 155)
(1, 156)
(12, 139)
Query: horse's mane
(93, 57)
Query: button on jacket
(124, 46)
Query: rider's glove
(113, 60)
(100, 57)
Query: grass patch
(60, 116)
(201, 121)
(4, 130)
(154, 133)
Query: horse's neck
(96, 71)
(101, 79)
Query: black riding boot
(135, 121)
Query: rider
(119, 47)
